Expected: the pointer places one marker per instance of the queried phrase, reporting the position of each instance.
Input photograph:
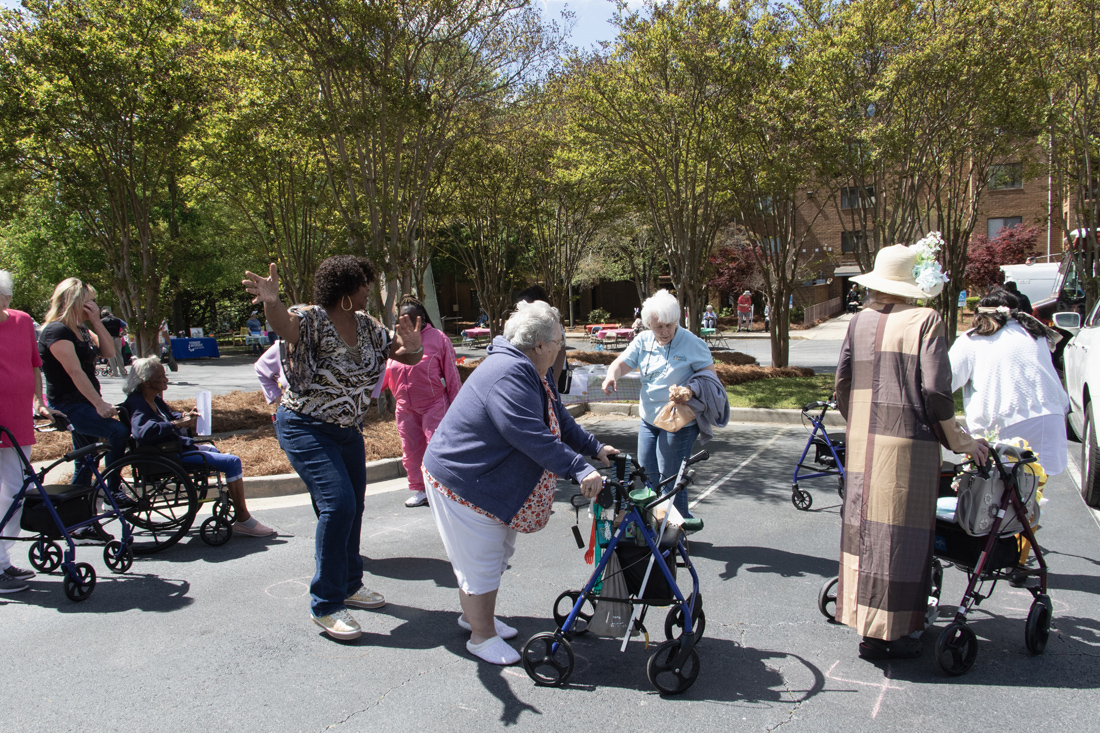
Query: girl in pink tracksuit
(423, 393)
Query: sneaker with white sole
(252, 528)
(18, 573)
(9, 584)
(93, 534)
(339, 625)
(419, 498)
(504, 631)
(364, 598)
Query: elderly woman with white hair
(492, 466)
(153, 422)
(665, 356)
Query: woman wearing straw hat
(893, 386)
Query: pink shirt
(434, 378)
(18, 360)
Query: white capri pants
(478, 546)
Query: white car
(1082, 379)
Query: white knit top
(1005, 378)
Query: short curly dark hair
(338, 276)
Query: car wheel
(1090, 462)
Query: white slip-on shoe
(504, 631)
(494, 651)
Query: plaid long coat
(893, 383)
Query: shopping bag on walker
(611, 617)
(980, 498)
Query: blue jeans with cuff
(87, 424)
(331, 460)
(661, 452)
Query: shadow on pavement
(764, 560)
(112, 594)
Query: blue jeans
(210, 457)
(333, 464)
(87, 425)
(661, 452)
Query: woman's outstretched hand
(262, 289)
(408, 336)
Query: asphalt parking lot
(204, 638)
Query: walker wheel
(1037, 630)
(584, 618)
(801, 499)
(674, 621)
(956, 649)
(826, 599)
(937, 577)
(225, 510)
(215, 531)
(840, 486)
(78, 588)
(548, 659)
(45, 556)
(118, 558)
(665, 675)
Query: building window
(1007, 176)
(850, 241)
(1005, 222)
(850, 198)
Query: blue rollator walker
(828, 455)
(673, 667)
(52, 512)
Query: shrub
(798, 314)
(599, 315)
(972, 303)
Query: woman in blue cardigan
(493, 463)
(152, 422)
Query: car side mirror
(1070, 322)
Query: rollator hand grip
(700, 456)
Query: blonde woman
(69, 349)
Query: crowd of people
(485, 458)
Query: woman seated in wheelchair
(152, 422)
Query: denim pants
(661, 452)
(86, 425)
(333, 464)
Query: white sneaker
(339, 625)
(494, 650)
(420, 498)
(504, 631)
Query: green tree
(99, 96)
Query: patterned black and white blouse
(329, 380)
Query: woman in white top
(1004, 368)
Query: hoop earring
(350, 304)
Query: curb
(262, 487)
(764, 415)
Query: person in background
(744, 311)
(20, 399)
(116, 328)
(482, 320)
(492, 467)
(152, 422)
(893, 387)
(710, 318)
(333, 355)
(68, 350)
(1023, 303)
(423, 392)
(254, 329)
(665, 356)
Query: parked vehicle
(1082, 381)
(1036, 281)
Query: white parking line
(714, 487)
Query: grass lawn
(791, 392)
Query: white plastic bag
(202, 404)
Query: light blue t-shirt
(662, 367)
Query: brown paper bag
(674, 416)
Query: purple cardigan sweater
(495, 440)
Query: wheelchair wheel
(224, 508)
(956, 649)
(548, 659)
(840, 486)
(663, 673)
(165, 500)
(580, 624)
(826, 599)
(937, 578)
(118, 558)
(80, 583)
(215, 531)
(674, 621)
(45, 556)
(1037, 629)
(801, 499)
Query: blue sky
(591, 16)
